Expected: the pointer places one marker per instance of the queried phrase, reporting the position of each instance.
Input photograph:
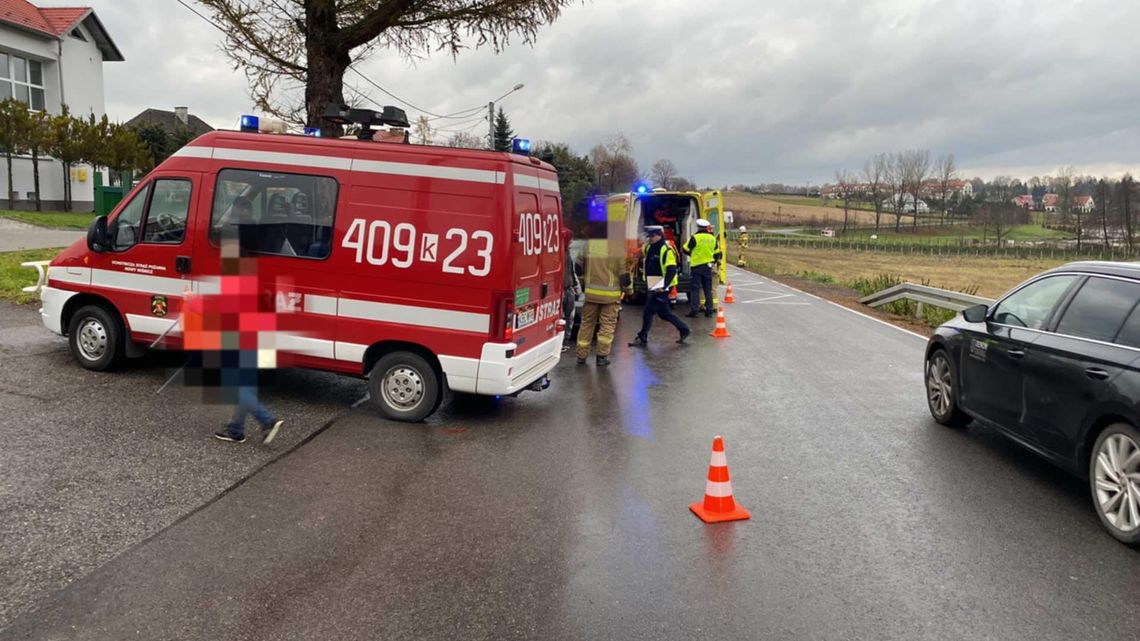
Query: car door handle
(1016, 353)
(1097, 373)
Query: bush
(933, 316)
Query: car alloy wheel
(1117, 482)
(939, 385)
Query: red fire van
(421, 268)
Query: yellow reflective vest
(668, 259)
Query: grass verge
(14, 278)
(845, 276)
(51, 219)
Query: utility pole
(491, 125)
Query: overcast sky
(742, 91)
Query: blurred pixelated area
(229, 337)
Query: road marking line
(848, 309)
(775, 302)
(879, 321)
(773, 297)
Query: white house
(51, 56)
(906, 204)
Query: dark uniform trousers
(657, 304)
(701, 279)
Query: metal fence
(1052, 250)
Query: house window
(23, 80)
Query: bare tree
(1063, 187)
(613, 160)
(945, 170)
(284, 46)
(875, 173)
(845, 182)
(998, 213)
(664, 174)
(1125, 196)
(423, 131)
(916, 166)
(896, 180)
(465, 140)
(1103, 191)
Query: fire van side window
(275, 213)
(169, 208)
(124, 230)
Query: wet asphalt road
(563, 515)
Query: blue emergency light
(520, 146)
(315, 132)
(641, 188)
(250, 123)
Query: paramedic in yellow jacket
(605, 280)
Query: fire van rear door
(538, 257)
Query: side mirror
(97, 235)
(976, 314)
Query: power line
(463, 114)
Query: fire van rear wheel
(404, 387)
(96, 338)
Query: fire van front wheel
(404, 386)
(96, 338)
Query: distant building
(906, 204)
(1049, 202)
(171, 121)
(49, 57)
(1085, 204)
(1025, 201)
(933, 188)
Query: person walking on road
(704, 252)
(660, 276)
(229, 339)
(606, 281)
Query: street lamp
(491, 116)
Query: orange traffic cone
(721, 330)
(719, 505)
(728, 298)
(673, 296)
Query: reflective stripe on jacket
(604, 266)
(702, 249)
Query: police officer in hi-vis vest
(660, 276)
(704, 252)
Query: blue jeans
(248, 404)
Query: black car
(1055, 365)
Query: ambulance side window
(125, 228)
(275, 213)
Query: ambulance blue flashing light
(641, 188)
(520, 146)
(315, 132)
(249, 124)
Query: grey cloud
(741, 90)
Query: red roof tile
(62, 19)
(55, 21)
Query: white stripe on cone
(718, 489)
(718, 460)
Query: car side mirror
(97, 235)
(976, 314)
